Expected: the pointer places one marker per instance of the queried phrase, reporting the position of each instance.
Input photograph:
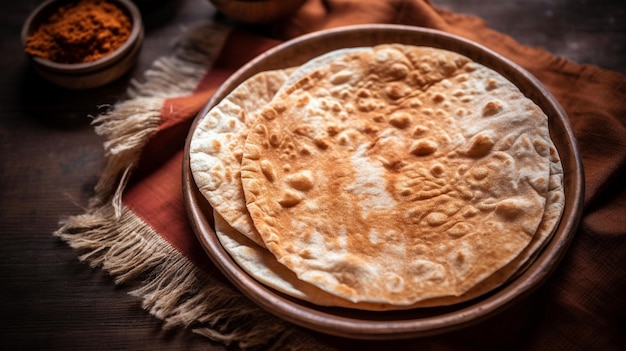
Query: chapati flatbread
(398, 175)
(217, 143)
(555, 202)
(260, 264)
(263, 266)
(216, 147)
(313, 64)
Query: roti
(313, 64)
(260, 264)
(216, 148)
(397, 174)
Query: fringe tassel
(131, 123)
(173, 289)
(126, 128)
(110, 236)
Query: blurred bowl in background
(257, 11)
(85, 75)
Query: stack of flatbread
(380, 178)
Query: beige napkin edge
(111, 237)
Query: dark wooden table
(50, 159)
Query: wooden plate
(407, 323)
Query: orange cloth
(581, 307)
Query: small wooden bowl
(89, 74)
(406, 323)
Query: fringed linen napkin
(136, 227)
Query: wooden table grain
(50, 160)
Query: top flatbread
(216, 147)
(263, 266)
(398, 174)
(317, 62)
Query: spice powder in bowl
(84, 43)
(80, 32)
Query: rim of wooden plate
(405, 323)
